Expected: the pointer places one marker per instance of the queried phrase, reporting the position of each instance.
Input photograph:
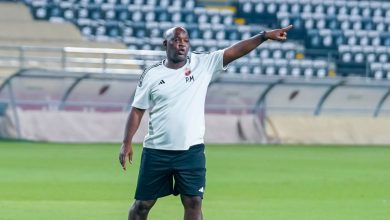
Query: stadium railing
(127, 61)
(77, 59)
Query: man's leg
(192, 207)
(140, 209)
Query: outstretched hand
(125, 152)
(278, 34)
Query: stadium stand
(22, 37)
(329, 38)
(341, 29)
(140, 25)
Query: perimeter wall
(94, 127)
(69, 107)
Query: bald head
(171, 32)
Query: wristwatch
(262, 35)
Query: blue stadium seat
(369, 54)
(257, 70)
(113, 29)
(265, 53)
(320, 67)
(281, 65)
(328, 26)
(120, 13)
(189, 17)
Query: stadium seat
(232, 69)
(257, 70)
(386, 69)
(244, 69)
(265, 53)
(113, 30)
(324, 25)
(378, 74)
(370, 54)
(295, 68)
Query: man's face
(177, 45)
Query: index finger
(285, 29)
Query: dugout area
(251, 110)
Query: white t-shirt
(176, 99)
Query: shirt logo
(162, 82)
(187, 72)
(188, 77)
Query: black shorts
(166, 172)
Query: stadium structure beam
(380, 104)
(70, 89)
(7, 82)
(325, 96)
(14, 111)
(265, 93)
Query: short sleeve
(216, 61)
(142, 94)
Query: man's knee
(142, 207)
(192, 202)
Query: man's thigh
(155, 179)
(190, 172)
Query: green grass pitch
(44, 181)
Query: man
(174, 90)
